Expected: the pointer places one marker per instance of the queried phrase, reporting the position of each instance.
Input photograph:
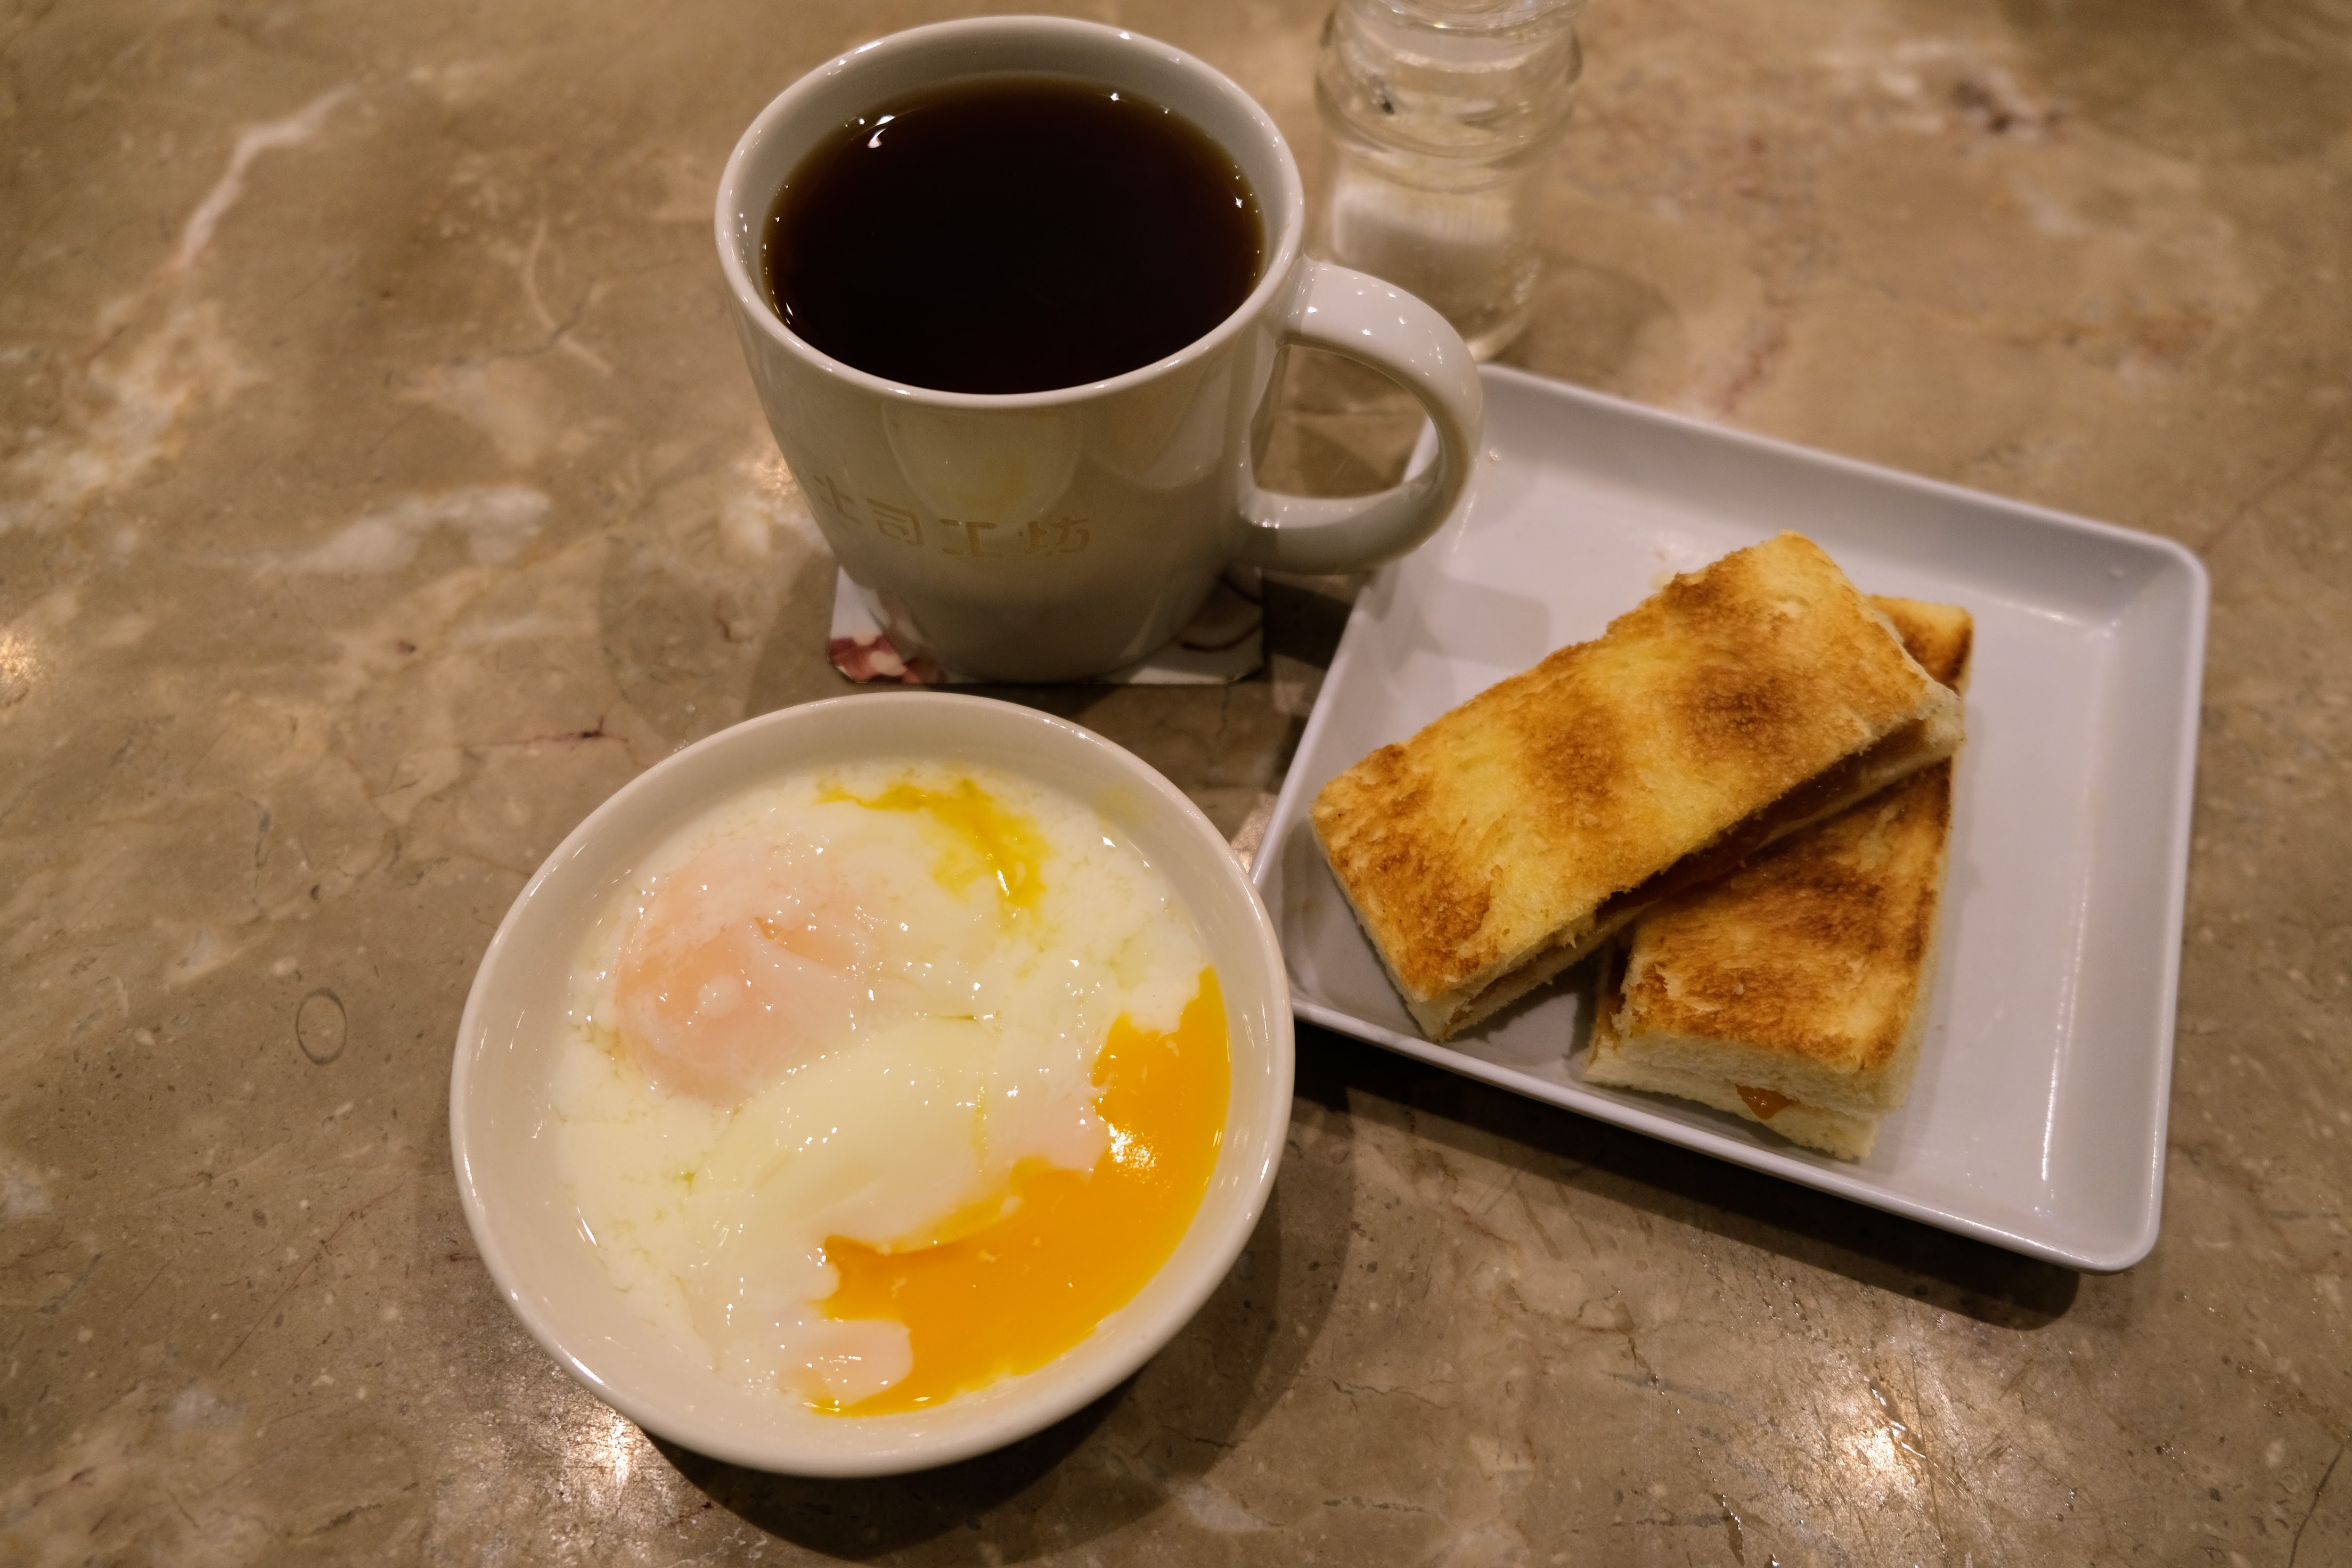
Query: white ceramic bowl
(500, 1129)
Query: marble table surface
(380, 488)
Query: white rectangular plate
(2037, 1121)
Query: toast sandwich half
(1514, 833)
(1793, 992)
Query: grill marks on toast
(1577, 772)
(1813, 950)
(1758, 829)
(1415, 875)
(1794, 991)
(1490, 845)
(1744, 714)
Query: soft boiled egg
(888, 1081)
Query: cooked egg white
(884, 1082)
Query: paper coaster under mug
(1224, 642)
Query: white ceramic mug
(1056, 535)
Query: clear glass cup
(1441, 112)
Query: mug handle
(1376, 324)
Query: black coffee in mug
(1012, 234)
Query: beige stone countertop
(381, 486)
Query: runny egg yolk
(988, 841)
(1077, 1245)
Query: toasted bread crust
(1793, 993)
(1497, 833)
(1807, 960)
(1939, 638)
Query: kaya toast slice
(1513, 835)
(1794, 992)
